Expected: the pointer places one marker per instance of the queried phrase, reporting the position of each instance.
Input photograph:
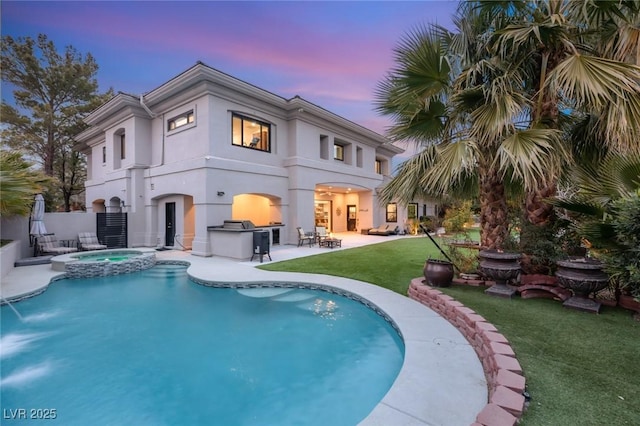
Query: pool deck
(442, 381)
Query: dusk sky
(330, 53)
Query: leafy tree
(18, 184)
(53, 92)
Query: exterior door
(351, 218)
(170, 224)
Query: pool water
(154, 348)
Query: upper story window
(338, 152)
(378, 166)
(123, 146)
(250, 133)
(181, 120)
(118, 148)
(104, 154)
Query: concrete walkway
(441, 382)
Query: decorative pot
(582, 276)
(438, 273)
(501, 267)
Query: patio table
(331, 242)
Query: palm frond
(406, 185)
(533, 156)
(594, 81)
(455, 162)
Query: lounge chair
(48, 244)
(305, 237)
(384, 230)
(89, 241)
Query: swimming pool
(152, 347)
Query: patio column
(301, 212)
(151, 224)
(204, 217)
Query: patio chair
(49, 244)
(321, 234)
(89, 241)
(305, 237)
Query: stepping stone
(263, 292)
(296, 296)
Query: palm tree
(18, 184)
(490, 102)
(464, 110)
(592, 192)
(571, 56)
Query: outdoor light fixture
(220, 193)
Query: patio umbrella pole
(426, 231)
(36, 222)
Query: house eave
(113, 106)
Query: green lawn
(581, 369)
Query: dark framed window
(378, 167)
(104, 154)
(392, 212)
(181, 120)
(250, 133)
(123, 146)
(338, 152)
(412, 211)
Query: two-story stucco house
(205, 147)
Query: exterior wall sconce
(220, 193)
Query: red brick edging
(501, 368)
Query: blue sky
(329, 53)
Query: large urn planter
(582, 276)
(438, 273)
(501, 267)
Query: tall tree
(494, 111)
(576, 59)
(52, 93)
(450, 96)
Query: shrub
(623, 262)
(457, 216)
(466, 260)
(542, 246)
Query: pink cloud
(330, 53)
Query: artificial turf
(580, 368)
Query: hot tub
(104, 262)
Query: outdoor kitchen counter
(232, 243)
(237, 243)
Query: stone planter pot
(438, 273)
(500, 267)
(582, 276)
